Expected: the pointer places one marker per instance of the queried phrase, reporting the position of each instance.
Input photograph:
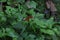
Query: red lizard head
(28, 18)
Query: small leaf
(47, 31)
(31, 4)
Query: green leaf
(40, 23)
(50, 22)
(10, 32)
(31, 4)
(3, 0)
(2, 32)
(47, 31)
(56, 31)
(21, 1)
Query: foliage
(14, 25)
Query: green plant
(12, 23)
